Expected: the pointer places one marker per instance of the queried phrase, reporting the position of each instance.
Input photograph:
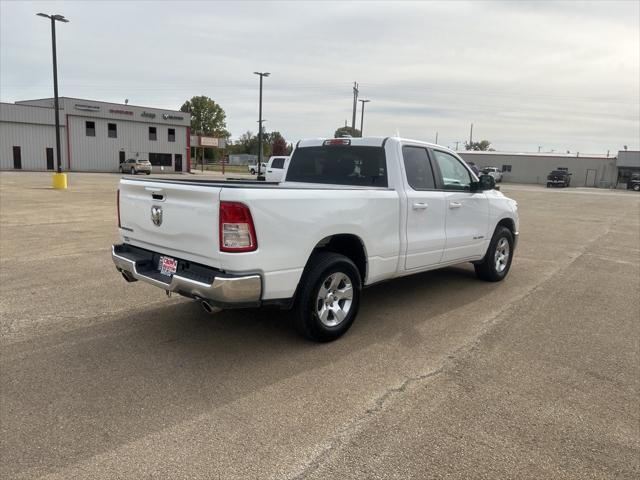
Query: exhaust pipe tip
(127, 276)
(207, 307)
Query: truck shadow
(73, 395)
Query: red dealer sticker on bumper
(168, 265)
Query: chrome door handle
(420, 206)
(455, 204)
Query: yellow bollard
(60, 181)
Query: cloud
(560, 74)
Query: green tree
(343, 131)
(481, 146)
(207, 117)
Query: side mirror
(485, 182)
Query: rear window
(339, 165)
(277, 163)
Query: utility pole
(457, 143)
(436, 138)
(261, 74)
(355, 104)
(59, 178)
(471, 135)
(539, 148)
(362, 116)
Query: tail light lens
(237, 233)
(118, 206)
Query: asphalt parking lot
(442, 376)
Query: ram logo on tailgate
(156, 215)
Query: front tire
(329, 297)
(133, 171)
(253, 172)
(497, 261)
(636, 188)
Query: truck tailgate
(179, 220)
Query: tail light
(118, 206)
(237, 233)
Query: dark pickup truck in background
(634, 182)
(558, 178)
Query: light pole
(261, 74)
(59, 178)
(362, 115)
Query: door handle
(420, 206)
(455, 204)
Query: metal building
(587, 171)
(95, 136)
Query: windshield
(339, 165)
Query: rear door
(426, 210)
(467, 213)
(177, 219)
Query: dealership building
(95, 136)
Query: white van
(275, 168)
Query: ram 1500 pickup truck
(350, 212)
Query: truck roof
(366, 141)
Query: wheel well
(507, 222)
(351, 246)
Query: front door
(590, 180)
(121, 158)
(425, 210)
(467, 212)
(49, 158)
(178, 162)
(17, 158)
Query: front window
(90, 129)
(339, 165)
(171, 135)
(153, 135)
(112, 130)
(454, 175)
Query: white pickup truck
(350, 213)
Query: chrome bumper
(225, 290)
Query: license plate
(168, 265)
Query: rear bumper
(192, 280)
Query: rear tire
(548, 185)
(253, 172)
(497, 261)
(636, 188)
(329, 297)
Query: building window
(90, 129)
(506, 168)
(172, 135)
(152, 133)
(160, 159)
(112, 130)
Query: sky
(529, 75)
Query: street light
(362, 115)
(261, 74)
(59, 178)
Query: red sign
(121, 112)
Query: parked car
(133, 166)
(559, 178)
(253, 168)
(495, 172)
(276, 167)
(634, 182)
(351, 212)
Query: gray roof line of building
(536, 154)
(22, 102)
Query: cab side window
(418, 168)
(277, 163)
(454, 175)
